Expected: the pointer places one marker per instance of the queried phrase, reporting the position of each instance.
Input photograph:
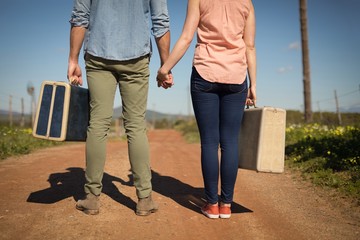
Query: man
(117, 48)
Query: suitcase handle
(71, 82)
(248, 106)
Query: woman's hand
(251, 97)
(164, 79)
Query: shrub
(329, 156)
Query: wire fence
(18, 110)
(346, 102)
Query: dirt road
(38, 194)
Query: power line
(349, 93)
(353, 105)
(340, 96)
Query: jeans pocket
(238, 88)
(198, 83)
(202, 85)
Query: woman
(224, 56)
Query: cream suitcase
(262, 140)
(62, 112)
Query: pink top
(220, 49)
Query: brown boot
(90, 205)
(146, 206)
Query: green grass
(328, 156)
(189, 130)
(17, 141)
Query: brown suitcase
(262, 140)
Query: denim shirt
(120, 29)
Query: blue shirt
(120, 29)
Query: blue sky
(35, 43)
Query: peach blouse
(220, 50)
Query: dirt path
(38, 193)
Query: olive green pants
(103, 77)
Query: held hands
(164, 79)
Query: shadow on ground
(71, 184)
(185, 194)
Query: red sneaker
(225, 211)
(211, 211)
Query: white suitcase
(62, 113)
(262, 140)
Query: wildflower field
(16, 141)
(328, 156)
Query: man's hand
(74, 74)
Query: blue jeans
(218, 111)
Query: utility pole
(337, 108)
(22, 120)
(305, 61)
(31, 92)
